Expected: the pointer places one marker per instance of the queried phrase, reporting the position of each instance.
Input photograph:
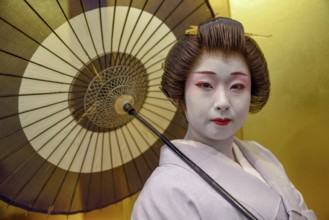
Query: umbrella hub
(109, 90)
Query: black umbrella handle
(130, 110)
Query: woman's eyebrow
(239, 74)
(205, 72)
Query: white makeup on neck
(217, 96)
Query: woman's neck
(224, 146)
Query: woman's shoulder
(256, 149)
(170, 176)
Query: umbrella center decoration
(109, 90)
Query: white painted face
(217, 96)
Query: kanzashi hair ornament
(193, 31)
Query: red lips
(221, 122)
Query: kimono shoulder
(175, 191)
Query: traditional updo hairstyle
(220, 35)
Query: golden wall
(295, 123)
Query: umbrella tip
(123, 104)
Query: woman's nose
(222, 101)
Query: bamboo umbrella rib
(41, 65)
(170, 31)
(36, 136)
(54, 32)
(173, 122)
(160, 106)
(123, 29)
(102, 31)
(112, 165)
(79, 174)
(41, 45)
(137, 145)
(91, 169)
(37, 108)
(55, 167)
(112, 30)
(74, 32)
(143, 31)
(67, 171)
(37, 121)
(154, 31)
(149, 95)
(30, 157)
(145, 140)
(167, 47)
(159, 126)
(93, 162)
(131, 155)
(37, 79)
(122, 161)
(100, 196)
(91, 36)
(133, 30)
(154, 72)
(157, 114)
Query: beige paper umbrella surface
(66, 67)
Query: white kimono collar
(241, 185)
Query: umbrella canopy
(65, 69)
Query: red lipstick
(221, 121)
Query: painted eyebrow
(205, 72)
(213, 73)
(240, 74)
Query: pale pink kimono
(175, 191)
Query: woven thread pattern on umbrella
(64, 64)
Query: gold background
(295, 123)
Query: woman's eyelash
(238, 86)
(204, 85)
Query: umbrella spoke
(130, 134)
(122, 160)
(59, 38)
(143, 31)
(112, 165)
(41, 45)
(154, 31)
(90, 35)
(91, 168)
(143, 136)
(54, 167)
(133, 30)
(53, 172)
(79, 174)
(158, 126)
(36, 136)
(26, 126)
(39, 64)
(102, 31)
(172, 29)
(123, 29)
(22, 165)
(37, 79)
(112, 30)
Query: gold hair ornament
(193, 31)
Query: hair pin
(258, 35)
(193, 30)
